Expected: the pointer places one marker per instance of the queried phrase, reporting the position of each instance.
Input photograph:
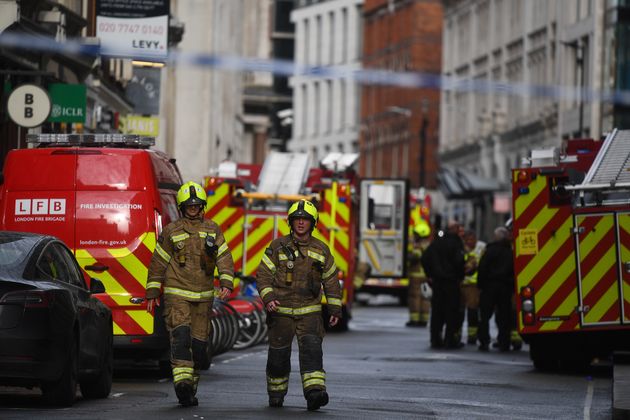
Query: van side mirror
(96, 286)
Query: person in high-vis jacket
(289, 279)
(419, 306)
(470, 293)
(182, 268)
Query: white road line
(589, 401)
(118, 394)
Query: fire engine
(571, 237)
(250, 204)
(397, 284)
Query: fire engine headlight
(527, 305)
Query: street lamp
(423, 140)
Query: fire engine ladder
(610, 172)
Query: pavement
(621, 386)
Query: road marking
(242, 356)
(589, 400)
(118, 394)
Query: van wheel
(100, 386)
(63, 391)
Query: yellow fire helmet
(422, 229)
(191, 194)
(303, 208)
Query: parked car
(53, 332)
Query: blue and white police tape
(366, 76)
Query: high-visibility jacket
(476, 253)
(183, 264)
(293, 273)
(415, 259)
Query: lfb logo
(41, 206)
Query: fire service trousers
(470, 310)
(419, 306)
(188, 324)
(309, 330)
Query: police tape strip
(351, 72)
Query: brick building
(399, 126)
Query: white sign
(29, 106)
(40, 206)
(145, 37)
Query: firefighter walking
(289, 280)
(419, 306)
(183, 264)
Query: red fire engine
(571, 234)
(250, 204)
(396, 283)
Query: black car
(53, 332)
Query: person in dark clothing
(496, 283)
(443, 263)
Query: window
(52, 265)
(75, 276)
(331, 47)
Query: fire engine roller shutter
(258, 234)
(553, 257)
(623, 220)
(597, 269)
(230, 220)
(339, 223)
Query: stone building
(505, 59)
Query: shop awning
(457, 183)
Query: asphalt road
(378, 370)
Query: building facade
(326, 110)
(56, 22)
(203, 106)
(399, 125)
(530, 47)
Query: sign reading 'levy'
(137, 29)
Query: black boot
(276, 401)
(184, 392)
(315, 399)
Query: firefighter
(443, 262)
(289, 280)
(470, 293)
(183, 264)
(496, 282)
(419, 306)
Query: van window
(114, 169)
(169, 204)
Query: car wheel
(100, 386)
(63, 391)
